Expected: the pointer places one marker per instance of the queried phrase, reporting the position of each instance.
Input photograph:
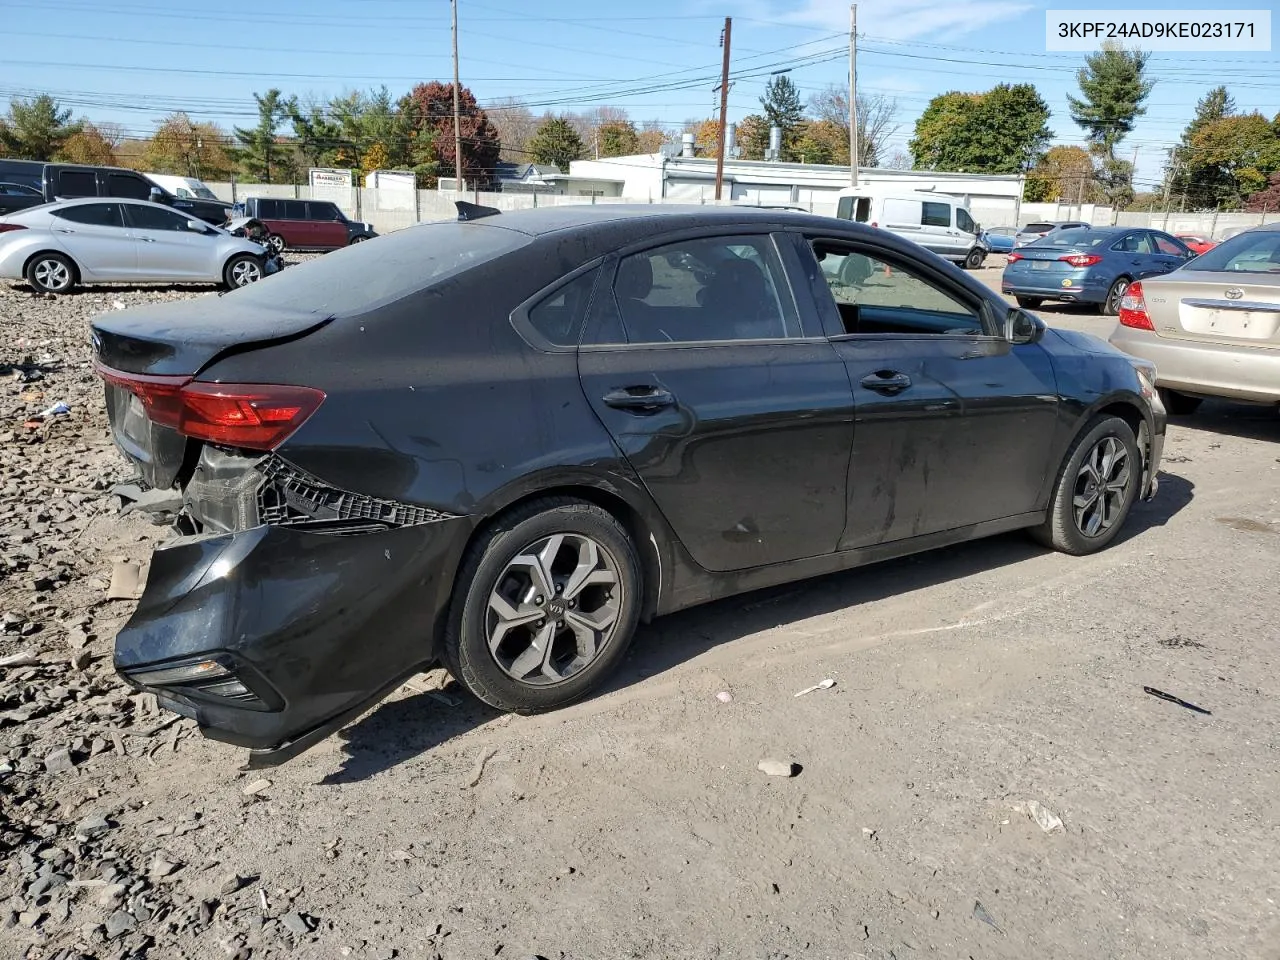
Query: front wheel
(544, 606)
(275, 243)
(1029, 303)
(1095, 490)
(51, 273)
(1111, 306)
(974, 260)
(1179, 404)
(242, 270)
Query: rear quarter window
(77, 183)
(559, 316)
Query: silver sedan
(56, 246)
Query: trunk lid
(167, 343)
(1240, 309)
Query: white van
(182, 187)
(936, 221)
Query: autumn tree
(556, 142)
(618, 139)
(36, 129)
(822, 141)
(1238, 154)
(188, 149)
(1200, 186)
(877, 123)
(752, 137)
(1063, 173)
(88, 146)
(1267, 200)
(653, 135)
(706, 137)
(431, 106)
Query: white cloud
(904, 19)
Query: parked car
(1213, 327)
(184, 188)
(1043, 228)
(999, 239)
(58, 246)
(18, 196)
(305, 224)
(1197, 243)
(1090, 265)
(937, 222)
(606, 438)
(62, 181)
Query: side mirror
(197, 226)
(1021, 327)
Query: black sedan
(501, 443)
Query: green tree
(752, 137)
(1241, 152)
(36, 129)
(262, 157)
(1063, 173)
(822, 141)
(316, 137)
(555, 142)
(618, 139)
(1004, 130)
(1200, 186)
(782, 108)
(1113, 88)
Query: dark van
(64, 181)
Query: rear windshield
(361, 277)
(1255, 252)
(1074, 238)
(1037, 228)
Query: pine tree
(556, 142)
(1113, 88)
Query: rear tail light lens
(255, 416)
(1015, 257)
(1081, 259)
(1133, 309)
(6, 227)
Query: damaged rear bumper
(272, 638)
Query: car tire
(974, 260)
(1029, 303)
(1179, 404)
(275, 243)
(504, 658)
(1111, 305)
(52, 273)
(358, 239)
(1094, 492)
(242, 270)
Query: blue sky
(132, 61)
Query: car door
(95, 236)
(328, 228)
(295, 227)
(953, 425)
(1171, 253)
(1138, 259)
(735, 415)
(167, 248)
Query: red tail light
(1133, 309)
(1081, 259)
(6, 227)
(257, 416)
(874, 224)
(1015, 256)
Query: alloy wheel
(1102, 484)
(244, 273)
(276, 243)
(52, 274)
(554, 609)
(1118, 290)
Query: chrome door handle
(61, 230)
(146, 240)
(644, 399)
(886, 381)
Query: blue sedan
(999, 239)
(1093, 265)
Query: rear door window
(905, 212)
(153, 218)
(268, 209)
(294, 209)
(1134, 243)
(1169, 246)
(935, 214)
(93, 214)
(322, 211)
(125, 185)
(77, 183)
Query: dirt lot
(974, 688)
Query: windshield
(1074, 238)
(204, 193)
(1254, 252)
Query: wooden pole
(724, 104)
(457, 124)
(853, 95)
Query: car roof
(543, 220)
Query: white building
(994, 199)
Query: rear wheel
(1029, 303)
(544, 606)
(51, 273)
(359, 239)
(1095, 490)
(242, 270)
(974, 260)
(1179, 404)
(1111, 306)
(275, 243)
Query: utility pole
(853, 94)
(457, 123)
(724, 103)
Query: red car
(1197, 243)
(304, 224)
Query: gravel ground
(986, 778)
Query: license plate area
(1040, 264)
(1234, 324)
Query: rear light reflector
(1133, 309)
(6, 227)
(256, 416)
(1081, 259)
